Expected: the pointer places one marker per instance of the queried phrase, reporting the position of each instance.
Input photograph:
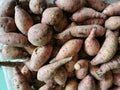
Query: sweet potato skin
(14, 39)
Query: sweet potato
(97, 21)
(112, 9)
(113, 23)
(20, 81)
(7, 7)
(14, 39)
(70, 65)
(72, 84)
(87, 83)
(93, 70)
(69, 5)
(7, 24)
(116, 79)
(39, 34)
(23, 20)
(48, 71)
(113, 64)
(52, 16)
(81, 68)
(14, 52)
(37, 6)
(70, 48)
(86, 13)
(91, 44)
(39, 57)
(61, 76)
(106, 83)
(97, 4)
(106, 53)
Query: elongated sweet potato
(112, 9)
(7, 24)
(106, 53)
(70, 48)
(86, 13)
(48, 71)
(97, 4)
(113, 23)
(14, 52)
(20, 81)
(113, 64)
(39, 34)
(37, 6)
(39, 57)
(14, 39)
(23, 20)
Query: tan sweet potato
(39, 57)
(39, 34)
(106, 83)
(116, 79)
(113, 23)
(52, 16)
(72, 84)
(106, 53)
(91, 44)
(7, 7)
(97, 4)
(61, 76)
(69, 5)
(70, 48)
(86, 13)
(20, 81)
(81, 68)
(112, 9)
(14, 39)
(23, 20)
(14, 52)
(7, 24)
(87, 83)
(113, 64)
(97, 21)
(37, 6)
(48, 71)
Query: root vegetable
(113, 64)
(81, 68)
(71, 85)
(7, 24)
(52, 16)
(14, 52)
(39, 57)
(106, 53)
(69, 5)
(47, 72)
(86, 13)
(14, 39)
(106, 83)
(39, 34)
(87, 83)
(113, 23)
(91, 44)
(97, 4)
(37, 6)
(61, 76)
(20, 81)
(70, 48)
(116, 79)
(23, 20)
(112, 9)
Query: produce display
(65, 45)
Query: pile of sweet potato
(67, 45)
